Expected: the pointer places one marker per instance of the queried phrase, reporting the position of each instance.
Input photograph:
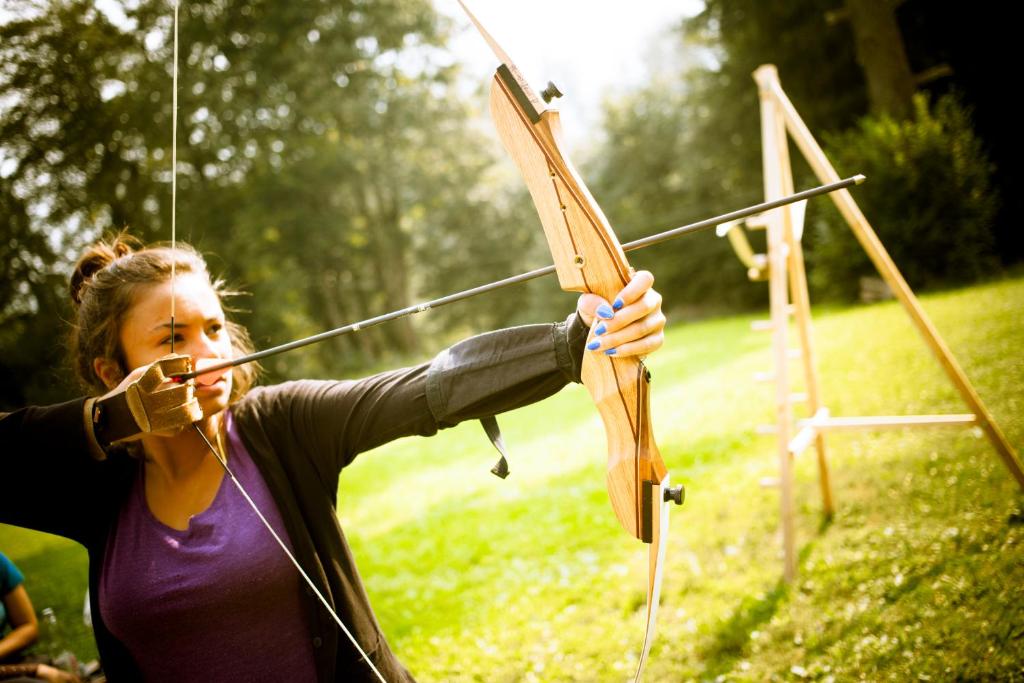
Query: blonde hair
(103, 289)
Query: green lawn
(919, 577)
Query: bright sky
(589, 48)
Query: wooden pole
(773, 136)
(802, 305)
(887, 269)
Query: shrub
(929, 196)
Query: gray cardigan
(300, 435)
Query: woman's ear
(108, 370)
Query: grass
(920, 576)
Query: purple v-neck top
(218, 601)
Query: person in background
(17, 614)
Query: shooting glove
(148, 404)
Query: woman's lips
(210, 378)
(207, 386)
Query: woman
(184, 583)
(16, 611)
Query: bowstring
(217, 454)
(174, 164)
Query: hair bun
(95, 258)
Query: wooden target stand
(783, 268)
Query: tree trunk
(338, 314)
(883, 58)
(389, 258)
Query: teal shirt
(10, 578)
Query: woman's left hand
(631, 325)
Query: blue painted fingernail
(594, 345)
(600, 329)
(610, 352)
(618, 303)
(604, 311)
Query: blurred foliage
(688, 145)
(930, 199)
(329, 161)
(658, 170)
(30, 287)
(324, 156)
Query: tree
(881, 55)
(688, 145)
(317, 143)
(692, 139)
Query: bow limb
(662, 493)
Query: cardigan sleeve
(55, 484)
(491, 373)
(498, 371)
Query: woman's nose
(201, 346)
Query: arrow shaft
(641, 243)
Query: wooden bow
(588, 258)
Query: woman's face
(199, 331)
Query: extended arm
(25, 627)
(333, 421)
